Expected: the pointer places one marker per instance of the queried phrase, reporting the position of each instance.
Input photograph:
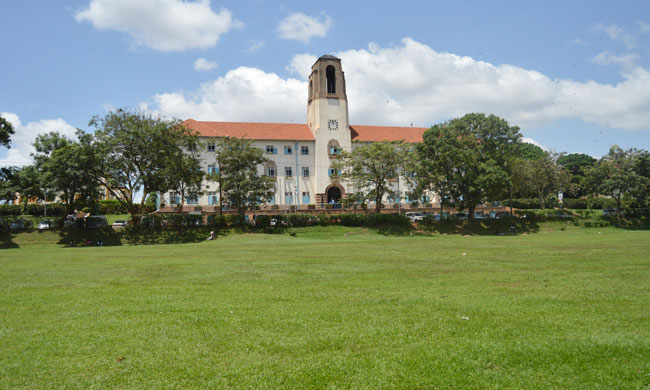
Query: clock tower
(328, 120)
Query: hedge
(580, 204)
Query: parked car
(19, 224)
(96, 221)
(45, 224)
(119, 223)
(498, 214)
(461, 216)
(609, 212)
(480, 215)
(414, 216)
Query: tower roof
(329, 57)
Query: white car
(414, 216)
(119, 223)
(45, 224)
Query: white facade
(302, 164)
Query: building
(301, 154)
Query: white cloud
(254, 46)
(645, 27)
(25, 134)
(300, 27)
(608, 58)
(301, 64)
(202, 64)
(577, 41)
(242, 94)
(529, 140)
(412, 83)
(166, 25)
(616, 33)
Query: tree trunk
(378, 203)
(470, 212)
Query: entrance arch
(334, 194)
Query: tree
(184, 172)
(242, 185)
(64, 165)
(467, 158)
(642, 168)
(132, 152)
(614, 175)
(370, 168)
(6, 131)
(540, 178)
(527, 151)
(9, 184)
(577, 165)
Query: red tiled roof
(386, 133)
(300, 132)
(283, 131)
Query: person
(71, 243)
(211, 235)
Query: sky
(573, 75)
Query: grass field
(333, 307)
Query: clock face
(333, 124)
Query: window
(270, 149)
(212, 169)
(330, 74)
(270, 170)
(191, 147)
(288, 172)
(288, 198)
(304, 150)
(333, 148)
(192, 199)
(213, 199)
(288, 150)
(174, 199)
(333, 172)
(305, 198)
(305, 171)
(211, 147)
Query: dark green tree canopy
(242, 184)
(6, 131)
(370, 168)
(132, 152)
(527, 151)
(467, 158)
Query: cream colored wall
(281, 161)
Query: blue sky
(575, 76)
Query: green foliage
(9, 183)
(370, 168)
(465, 159)
(527, 151)
(615, 175)
(577, 164)
(541, 177)
(132, 152)
(6, 131)
(241, 184)
(63, 166)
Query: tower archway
(334, 193)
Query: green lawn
(332, 307)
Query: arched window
(270, 169)
(331, 79)
(333, 148)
